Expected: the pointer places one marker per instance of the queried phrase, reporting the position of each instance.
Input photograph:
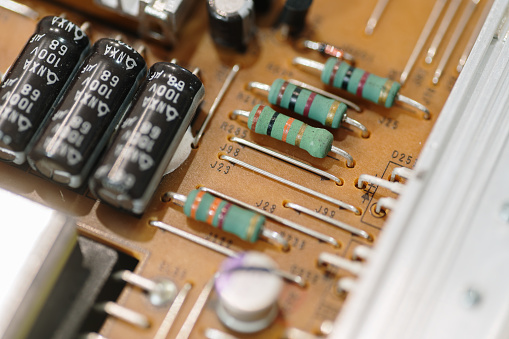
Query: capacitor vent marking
(247, 225)
(316, 141)
(328, 112)
(342, 75)
(35, 82)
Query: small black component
(88, 113)
(149, 135)
(294, 15)
(35, 81)
(262, 6)
(232, 22)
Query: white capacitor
(248, 290)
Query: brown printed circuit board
(299, 284)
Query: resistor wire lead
(245, 224)
(316, 141)
(328, 112)
(342, 75)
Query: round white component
(248, 291)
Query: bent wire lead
(287, 159)
(316, 194)
(337, 223)
(342, 75)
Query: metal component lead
(442, 29)
(469, 10)
(473, 36)
(278, 238)
(402, 172)
(329, 259)
(287, 159)
(395, 187)
(361, 252)
(337, 223)
(432, 19)
(345, 285)
(168, 320)
(160, 292)
(20, 9)
(212, 333)
(215, 104)
(191, 319)
(123, 313)
(375, 16)
(344, 154)
(318, 195)
(194, 238)
(426, 113)
(385, 203)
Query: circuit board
(396, 136)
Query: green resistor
(328, 112)
(245, 224)
(363, 84)
(316, 141)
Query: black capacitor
(232, 22)
(35, 81)
(294, 15)
(88, 113)
(162, 109)
(262, 6)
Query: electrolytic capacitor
(245, 224)
(149, 135)
(35, 81)
(293, 17)
(248, 288)
(88, 113)
(328, 112)
(316, 141)
(231, 22)
(342, 75)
